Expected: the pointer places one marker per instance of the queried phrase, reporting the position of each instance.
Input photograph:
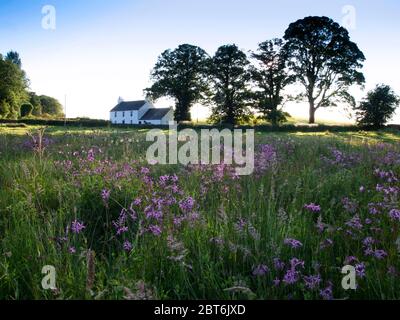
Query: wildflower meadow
(116, 227)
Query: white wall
(120, 116)
(124, 117)
(130, 117)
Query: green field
(114, 227)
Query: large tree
(180, 74)
(324, 60)
(13, 85)
(270, 78)
(51, 106)
(378, 107)
(230, 78)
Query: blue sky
(101, 50)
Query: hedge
(92, 123)
(59, 122)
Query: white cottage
(140, 112)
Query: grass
(224, 245)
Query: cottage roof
(129, 105)
(155, 114)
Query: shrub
(378, 107)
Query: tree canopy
(378, 107)
(180, 74)
(13, 85)
(230, 79)
(50, 106)
(324, 61)
(270, 78)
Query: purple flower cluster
(155, 230)
(187, 204)
(279, 265)
(360, 270)
(312, 282)
(36, 144)
(260, 270)
(350, 260)
(312, 207)
(355, 223)
(105, 195)
(265, 159)
(295, 262)
(380, 254)
(127, 246)
(388, 191)
(327, 293)
(295, 244)
(342, 159)
(395, 214)
(292, 275)
(387, 176)
(368, 242)
(121, 223)
(77, 226)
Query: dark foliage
(230, 85)
(378, 107)
(180, 74)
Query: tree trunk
(230, 118)
(312, 112)
(182, 112)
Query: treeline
(16, 100)
(315, 55)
